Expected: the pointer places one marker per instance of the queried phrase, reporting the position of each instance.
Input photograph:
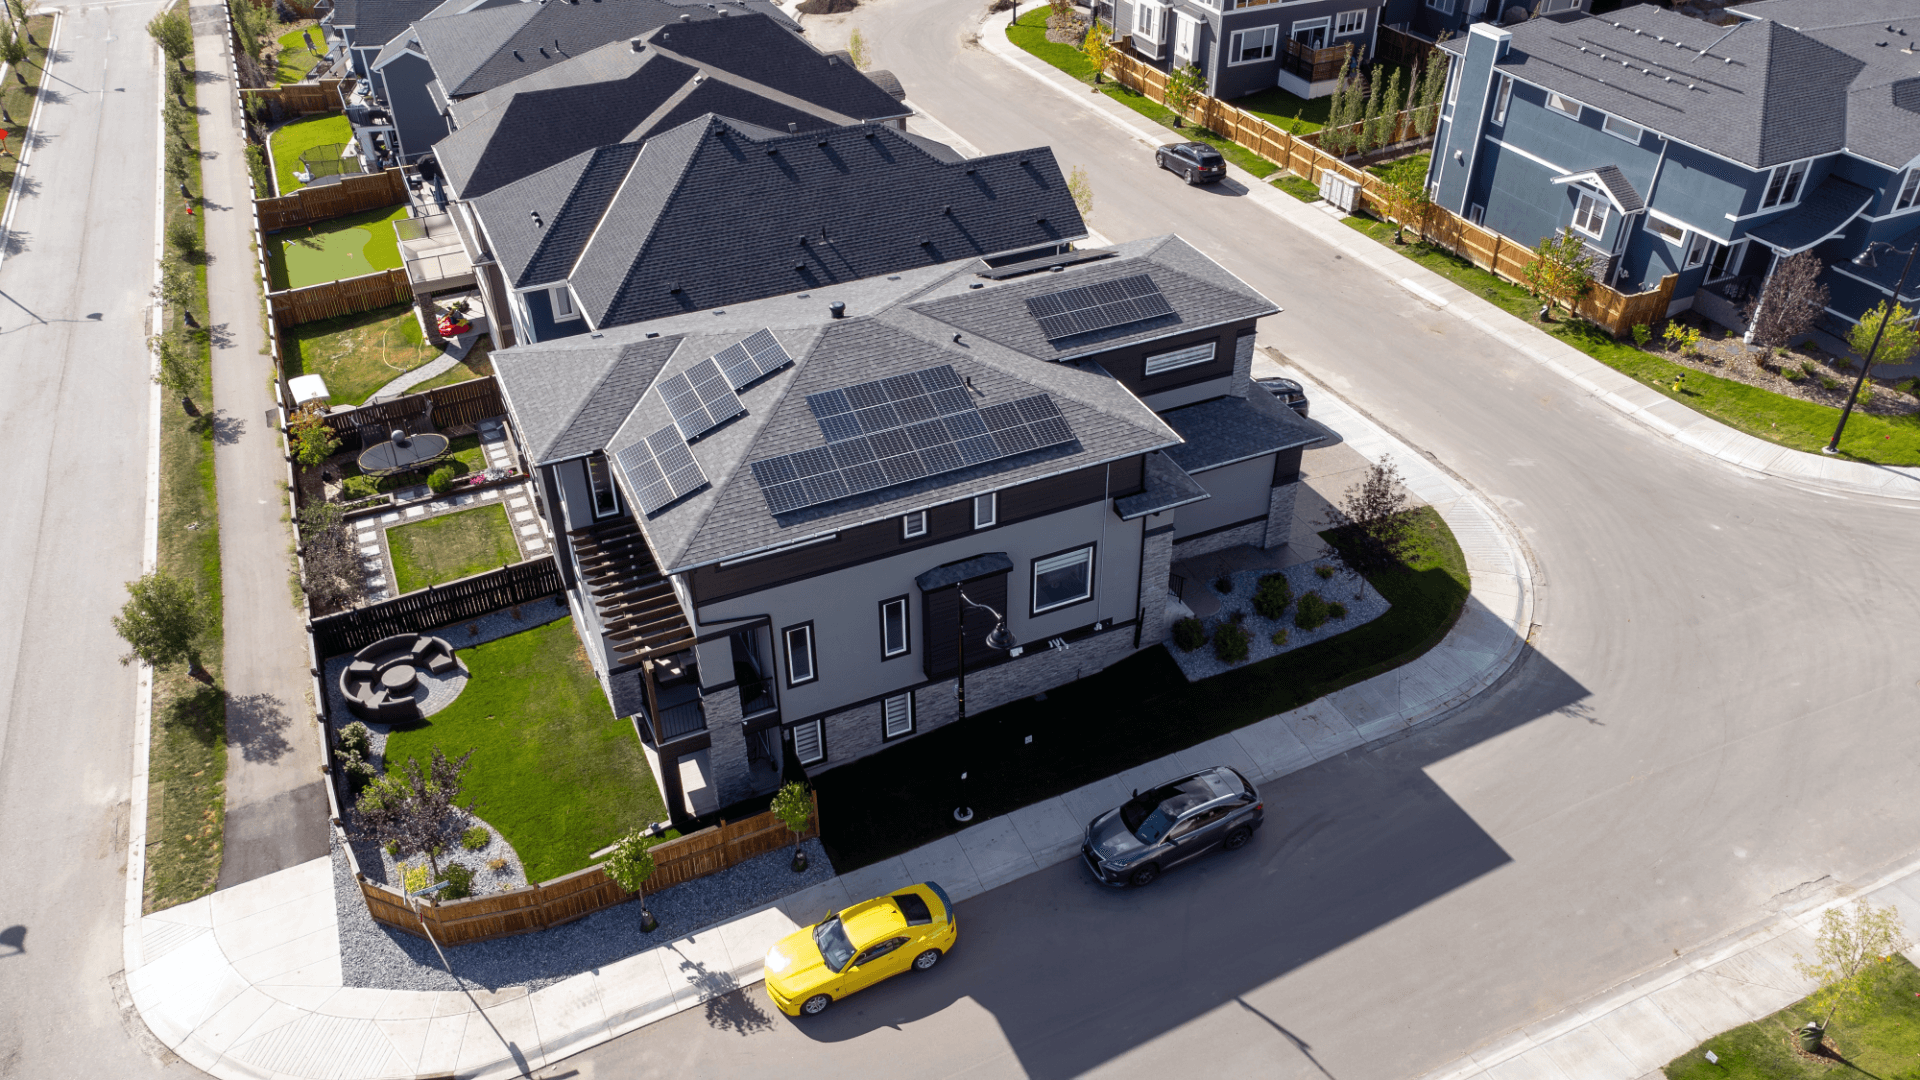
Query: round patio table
(399, 679)
(383, 459)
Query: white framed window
(1477, 214)
(1186, 36)
(1726, 260)
(1179, 358)
(914, 524)
(1312, 32)
(1348, 23)
(1666, 230)
(1453, 85)
(1567, 106)
(1063, 579)
(1445, 7)
(808, 746)
(606, 500)
(1620, 129)
(1590, 213)
(1149, 22)
(1909, 191)
(1783, 185)
(896, 715)
(563, 309)
(1252, 46)
(1502, 98)
(894, 637)
(799, 641)
(1698, 245)
(986, 509)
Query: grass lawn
(19, 102)
(296, 137)
(1790, 422)
(1137, 710)
(358, 354)
(1299, 187)
(451, 546)
(342, 248)
(1880, 1042)
(1281, 109)
(477, 365)
(296, 60)
(1031, 34)
(553, 769)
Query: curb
(26, 139)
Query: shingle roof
(1167, 486)
(377, 22)
(1822, 212)
(573, 400)
(1883, 100)
(569, 198)
(1617, 186)
(777, 59)
(1230, 429)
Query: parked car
(851, 950)
(1156, 830)
(1196, 161)
(1288, 391)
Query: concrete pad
(440, 1050)
(304, 998)
(1274, 748)
(1754, 984)
(1220, 750)
(748, 938)
(505, 1032)
(698, 968)
(322, 972)
(946, 862)
(1699, 1007)
(1644, 1034)
(635, 991)
(811, 904)
(996, 851)
(301, 952)
(1532, 1065)
(406, 1038)
(157, 939)
(876, 880)
(1586, 1054)
(1322, 728)
(1091, 800)
(354, 1001)
(233, 1020)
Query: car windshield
(831, 938)
(1151, 813)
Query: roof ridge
(673, 191)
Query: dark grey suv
(1156, 830)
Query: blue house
(1673, 146)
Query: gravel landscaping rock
(1363, 603)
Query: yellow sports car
(812, 968)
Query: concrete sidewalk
(248, 982)
(1656, 411)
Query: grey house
(1244, 46)
(766, 513)
(1434, 19)
(1673, 146)
(361, 28)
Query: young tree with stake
(794, 806)
(630, 864)
(415, 809)
(1561, 273)
(164, 623)
(1852, 961)
(1183, 89)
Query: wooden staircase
(636, 602)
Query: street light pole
(997, 639)
(1865, 258)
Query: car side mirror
(1136, 793)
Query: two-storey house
(1244, 46)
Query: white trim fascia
(1535, 158)
(1841, 315)
(379, 63)
(772, 551)
(1590, 179)
(1671, 220)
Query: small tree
(174, 35)
(1852, 962)
(1184, 87)
(630, 864)
(1385, 122)
(178, 368)
(164, 623)
(416, 810)
(176, 288)
(794, 806)
(1370, 117)
(861, 52)
(313, 441)
(1408, 202)
(1790, 305)
(1372, 518)
(1561, 272)
(1900, 340)
(330, 556)
(13, 49)
(1433, 86)
(1098, 48)
(1081, 188)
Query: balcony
(434, 256)
(1313, 65)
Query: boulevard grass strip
(1785, 421)
(553, 769)
(477, 365)
(1299, 187)
(1879, 1040)
(451, 546)
(19, 100)
(358, 354)
(187, 766)
(296, 137)
(1135, 711)
(330, 250)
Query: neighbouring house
(1434, 19)
(1244, 46)
(766, 514)
(1673, 146)
(717, 212)
(359, 29)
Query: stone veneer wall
(732, 777)
(1280, 514)
(1155, 573)
(1254, 532)
(1242, 365)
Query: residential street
(1718, 712)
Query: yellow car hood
(795, 966)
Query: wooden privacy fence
(579, 894)
(437, 606)
(347, 296)
(296, 99)
(462, 403)
(353, 194)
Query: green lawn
(1299, 187)
(1281, 109)
(296, 137)
(1031, 35)
(1133, 712)
(553, 769)
(357, 354)
(296, 60)
(341, 248)
(1880, 1043)
(477, 365)
(18, 101)
(451, 546)
(1790, 422)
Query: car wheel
(1192, 177)
(1159, 161)
(1144, 876)
(926, 960)
(816, 1005)
(1237, 839)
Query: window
(1248, 46)
(1063, 579)
(913, 908)
(1783, 186)
(879, 951)
(1620, 129)
(1312, 32)
(1186, 36)
(563, 309)
(1666, 230)
(1697, 247)
(1590, 213)
(1149, 22)
(985, 509)
(914, 524)
(1909, 191)
(1726, 260)
(1453, 84)
(893, 627)
(606, 500)
(1445, 7)
(1477, 214)
(1179, 358)
(800, 654)
(897, 716)
(1502, 98)
(1350, 22)
(808, 746)
(1563, 105)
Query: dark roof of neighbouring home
(1233, 429)
(1822, 212)
(1619, 189)
(1167, 486)
(586, 395)
(376, 22)
(1883, 100)
(885, 332)
(712, 214)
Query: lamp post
(413, 901)
(1866, 259)
(997, 639)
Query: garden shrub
(414, 878)
(1230, 643)
(1337, 610)
(497, 864)
(1642, 334)
(1272, 595)
(1279, 636)
(1189, 634)
(1223, 584)
(356, 739)
(360, 487)
(1324, 572)
(358, 771)
(460, 882)
(441, 479)
(183, 237)
(476, 838)
(1311, 612)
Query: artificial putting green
(342, 248)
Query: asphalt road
(1718, 712)
(74, 398)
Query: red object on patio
(453, 325)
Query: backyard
(553, 769)
(296, 137)
(451, 546)
(880, 806)
(295, 60)
(1881, 1041)
(358, 354)
(477, 364)
(464, 457)
(341, 248)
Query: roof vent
(1056, 269)
(543, 52)
(956, 339)
(946, 209)
(673, 287)
(517, 56)
(1039, 221)
(837, 309)
(976, 285)
(686, 18)
(638, 45)
(792, 127)
(800, 268)
(537, 223)
(653, 333)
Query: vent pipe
(838, 309)
(638, 45)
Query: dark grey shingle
(1822, 212)
(1167, 486)
(569, 197)
(1230, 429)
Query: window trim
(1564, 101)
(1237, 43)
(1602, 207)
(819, 740)
(1359, 28)
(913, 719)
(1608, 121)
(1909, 191)
(1779, 174)
(1444, 7)
(1502, 100)
(1186, 35)
(992, 502)
(1152, 15)
(1695, 253)
(906, 627)
(907, 522)
(560, 299)
(1477, 213)
(1033, 579)
(593, 488)
(1211, 345)
(1656, 226)
(813, 653)
(1453, 83)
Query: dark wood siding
(1129, 364)
(940, 625)
(1052, 494)
(1127, 477)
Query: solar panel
(756, 357)
(660, 469)
(1102, 306)
(700, 399)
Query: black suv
(1290, 393)
(1197, 162)
(1156, 830)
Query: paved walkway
(1658, 412)
(247, 982)
(276, 808)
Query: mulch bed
(1798, 374)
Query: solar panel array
(891, 431)
(1104, 306)
(745, 362)
(660, 469)
(700, 399)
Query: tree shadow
(15, 242)
(14, 937)
(219, 336)
(258, 724)
(48, 95)
(227, 429)
(725, 1010)
(199, 712)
